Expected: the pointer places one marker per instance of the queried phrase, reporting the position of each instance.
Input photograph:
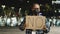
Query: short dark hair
(33, 5)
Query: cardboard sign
(35, 22)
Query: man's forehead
(36, 6)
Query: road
(54, 30)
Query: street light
(28, 1)
(3, 6)
(19, 10)
(13, 8)
(55, 11)
(59, 11)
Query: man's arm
(47, 26)
(22, 25)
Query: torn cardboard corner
(35, 22)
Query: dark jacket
(22, 27)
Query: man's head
(35, 7)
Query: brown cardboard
(35, 22)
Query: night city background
(13, 11)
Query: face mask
(35, 12)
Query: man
(35, 10)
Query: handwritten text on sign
(35, 22)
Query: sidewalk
(54, 30)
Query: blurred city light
(3, 6)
